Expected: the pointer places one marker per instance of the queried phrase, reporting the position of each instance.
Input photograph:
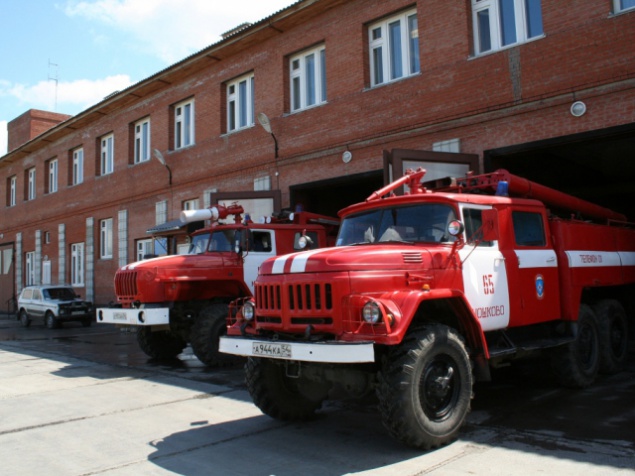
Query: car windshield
(199, 244)
(415, 223)
(59, 294)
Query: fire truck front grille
(126, 284)
(295, 297)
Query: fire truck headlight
(248, 311)
(371, 312)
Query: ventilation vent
(412, 257)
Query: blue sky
(91, 48)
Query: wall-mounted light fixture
(159, 156)
(266, 125)
(578, 109)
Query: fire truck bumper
(134, 317)
(326, 352)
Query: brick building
(353, 92)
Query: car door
(37, 304)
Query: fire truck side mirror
(490, 225)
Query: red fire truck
(426, 292)
(179, 299)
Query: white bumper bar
(327, 352)
(134, 317)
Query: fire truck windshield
(199, 244)
(407, 224)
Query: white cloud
(173, 29)
(69, 96)
(3, 138)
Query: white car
(54, 304)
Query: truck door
(262, 248)
(484, 273)
(533, 269)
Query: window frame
(52, 176)
(77, 257)
(301, 79)
(144, 247)
(29, 268)
(496, 29)
(382, 50)
(241, 103)
(107, 154)
(77, 166)
(105, 238)
(184, 124)
(12, 190)
(619, 8)
(31, 191)
(142, 140)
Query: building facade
(316, 106)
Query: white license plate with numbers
(272, 349)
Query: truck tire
(613, 330)
(51, 321)
(160, 345)
(576, 364)
(425, 387)
(278, 395)
(209, 326)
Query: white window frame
(190, 204)
(105, 238)
(144, 247)
(142, 141)
(78, 166)
(13, 186)
(31, 184)
(107, 155)
(52, 176)
(307, 80)
(184, 124)
(620, 6)
(77, 264)
(30, 268)
(240, 103)
(492, 11)
(382, 48)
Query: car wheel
(24, 318)
(51, 321)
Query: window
(77, 167)
(30, 184)
(142, 141)
(394, 48)
(105, 238)
(262, 184)
(240, 103)
(77, 264)
(528, 229)
(621, 5)
(161, 212)
(30, 268)
(190, 204)
(501, 23)
(144, 249)
(473, 219)
(11, 191)
(308, 78)
(107, 154)
(52, 176)
(184, 124)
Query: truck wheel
(207, 329)
(613, 330)
(280, 396)
(576, 364)
(24, 318)
(51, 321)
(425, 387)
(160, 345)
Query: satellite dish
(264, 122)
(159, 156)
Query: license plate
(271, 350)
(119, 316)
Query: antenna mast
(53, 78)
